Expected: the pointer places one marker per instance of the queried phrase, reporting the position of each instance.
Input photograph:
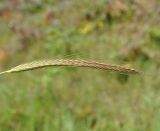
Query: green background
(80, 99)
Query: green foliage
(60, 41)
(155, 36)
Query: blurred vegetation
(125, 32)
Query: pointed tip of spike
(4, 72)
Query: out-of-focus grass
(73, 98)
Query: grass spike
(75, 63)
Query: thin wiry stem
(75, 63)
